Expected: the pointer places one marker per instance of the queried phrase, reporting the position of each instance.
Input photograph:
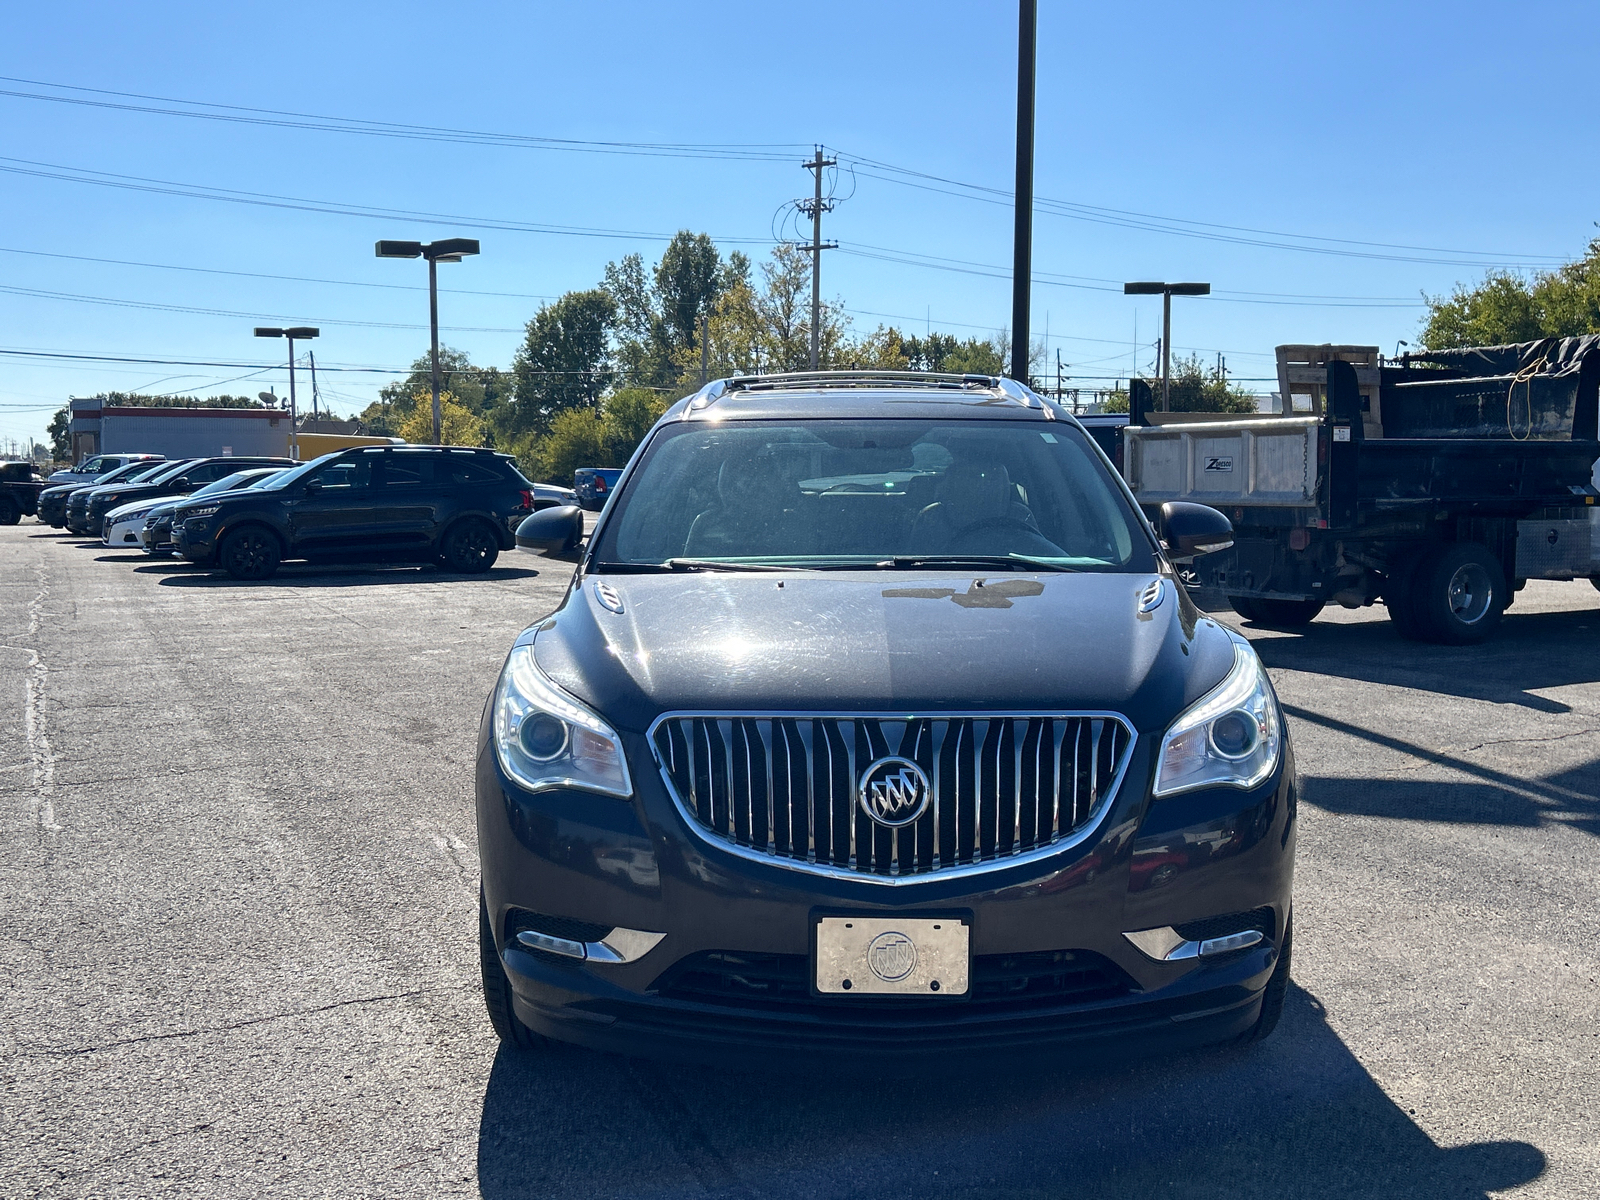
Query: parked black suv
(179, 480)
(53, 501)
(451, 505)
(876, 721)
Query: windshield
(293, 474)
(864, 493)
(169, 470)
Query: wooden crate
(1303, 371)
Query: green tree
(627, 415)
(564, 361)
(484, 391)
(576, 439)
(1508, 307)
(944, 352)
(60, 438)
(458, 424)
(1194, 388)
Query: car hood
(881, 642)
(123, 511)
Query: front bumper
(125, 535)
(194, 541)
(637, 865)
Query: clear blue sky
(1454, 128)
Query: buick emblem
(892, 956)
(894, 791)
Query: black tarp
(1545, 389)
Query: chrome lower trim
(618, 946)
(1166, 944)
(808, 865)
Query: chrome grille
(786, 785)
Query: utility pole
(705, 350)
(1022, 243)
(315, 395)
(814, 208)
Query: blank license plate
(894, 956)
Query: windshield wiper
(1010, 562)
(711, 564)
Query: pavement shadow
(1297, 1116)
(1491, 797)
(1531, 651)
(304, 576)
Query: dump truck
(1438, 483)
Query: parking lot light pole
(1166, 291)
(303, 332)
(448, 250)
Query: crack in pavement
(1559, 737)
(34, 724)
(228, 1028)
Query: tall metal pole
(1166, 350)
(815, 209)
(312, 355)
(433, 327)
(1022, 265)
(705, 349)
(294, 432)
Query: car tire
(469, 546)
(1285, 614)
(250, 554)
(1245, 607)
(10, 514)
(1459, 594)
(1276, 991)
(497, 989)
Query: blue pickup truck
(594, 484)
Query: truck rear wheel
(1400, 598)
(10, 514)
(1287, 614)
(1458, 594)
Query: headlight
(546, 739)
(1231, 738)
(208, 510)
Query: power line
(780, 152)
(195, 191)
(195, 310)
(399, 287)
(242, 114)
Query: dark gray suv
(877, 722)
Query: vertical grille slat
(784, 786)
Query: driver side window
(348, 476)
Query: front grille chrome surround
(782, 788)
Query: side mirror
(1190, 530)
(312, 485)
(551, 530)
(181, 482)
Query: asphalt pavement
(238, 929)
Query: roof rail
(857, 378)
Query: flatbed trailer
(1482, 476)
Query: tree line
(597, 367)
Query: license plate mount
(891, 956)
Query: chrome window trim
(1091, 824)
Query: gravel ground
(237, 929)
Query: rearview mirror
(551, 530)
(1190, 530)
